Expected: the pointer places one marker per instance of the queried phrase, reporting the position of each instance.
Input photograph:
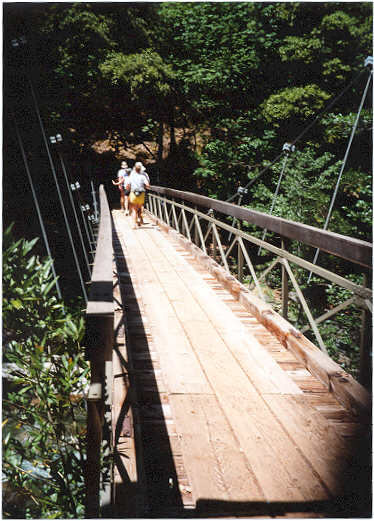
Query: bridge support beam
(99, 339)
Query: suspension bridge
(204, 400)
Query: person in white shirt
(137, 183)
(121, 182)
(143, 172)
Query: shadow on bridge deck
(156, 493)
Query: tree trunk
(160, 142)
(173, 143)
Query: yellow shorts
(137, 200)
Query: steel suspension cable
(250, 183)
(82, 207)
(234, 221)
(328, 107)
(89, 239)
(74, 212)
(91, 229)
(343, 165)
(274, 197)
(58, 190)
(36, 202)
(302, 134)
(81, 202)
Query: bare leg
(127, 204)
(122, 200)
(139, 215)
(135, 214)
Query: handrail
(348, 248)
(166, 211)
(99, 343)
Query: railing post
(196, 233)
(240, 264)
(214, 252)
(184, 232)
(365, 345)
(165, 206)
(284, 245)
(153, 206)
(159, 214)
(240, 259)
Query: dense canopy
(209, 92)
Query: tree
(43, 406)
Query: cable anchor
(369, 61)
(288, 148)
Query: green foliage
(335, 68)
(144, 73)
(73, 41)
(230, 160)
(339, 126)
(43, 406)
(213, 48)
(342, 332)
(294, 101)
(298, 48)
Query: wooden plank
(213, 461)
(282, 472)
(315, 437)
(177, 359)
(261, 368)
(277, 465)
(354, 250)
(349, 392)
(240, 480)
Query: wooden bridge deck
(213, 415)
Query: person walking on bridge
(137, 183)
(121, 182)
(143, 172)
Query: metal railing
(99, 343)
(201, 227)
